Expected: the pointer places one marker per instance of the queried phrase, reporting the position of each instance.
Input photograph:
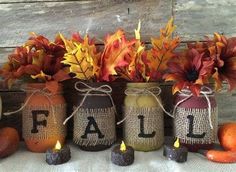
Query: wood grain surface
(194, 20)
(197, 18)
(94, 17)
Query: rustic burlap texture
(105, 119)
(200, 125)
(54, 126)
(153, 121)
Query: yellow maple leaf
(82, 58)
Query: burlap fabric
(200, 125)
(54, 125)
(105, 119)
(153, 121)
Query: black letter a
(88, 129)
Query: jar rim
(187, 92)
(29, 87)
(142, 84)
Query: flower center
(222, 69)
(192, 75)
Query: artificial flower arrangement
(121, 58)
(193, 71)
(38, 64)
(146, 65)
(38, 60)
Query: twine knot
(153, 91)
(140, 91)
(103, 88)
(87, 90)
(205, 91)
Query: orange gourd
(9, 141)
(227, 136)
(219, 155)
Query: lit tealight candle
(176, 152)
(58, 155)
(122, 155)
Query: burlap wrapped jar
(143, 125)
(94, 118)
(42, 118)
(196, 120)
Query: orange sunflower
(189, 71)
(224, 54)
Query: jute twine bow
(153, 91)
(87, 90)
(35, 91)
(205, 91)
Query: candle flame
(122, 146)
(58, 145)
(176, 144)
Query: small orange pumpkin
(9, 141)
(227, 136)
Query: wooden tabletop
(82, 161)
